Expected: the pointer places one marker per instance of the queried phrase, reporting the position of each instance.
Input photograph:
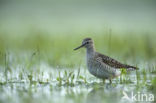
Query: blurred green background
(120, 28)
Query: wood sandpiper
(102, 66)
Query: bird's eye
(87, 42)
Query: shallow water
(43, 86)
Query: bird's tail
(132, 67)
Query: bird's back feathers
(114, 63)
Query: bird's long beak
(80, 46)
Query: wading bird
(102, 66)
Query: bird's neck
(90, 51)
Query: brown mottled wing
(114, 63)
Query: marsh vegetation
(44, 68)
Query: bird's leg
(110, 80)
(103, 81)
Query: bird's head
(87, 43)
